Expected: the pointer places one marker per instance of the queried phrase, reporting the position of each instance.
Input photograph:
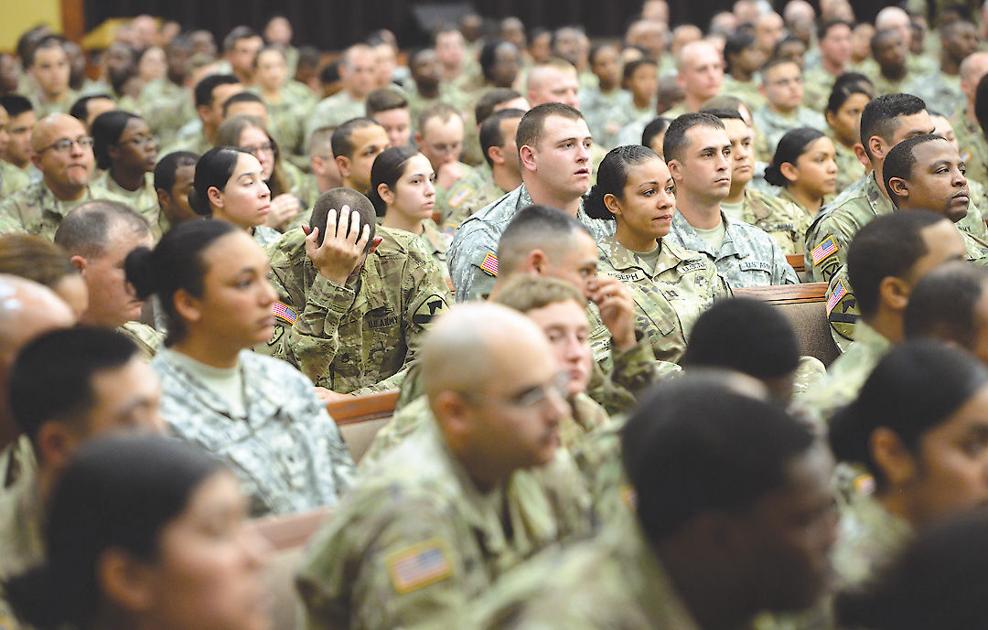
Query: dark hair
(117, 492)
(488, 56)
(612, 175)
(823, 28)
(596, 50)
(791, 145)
(214, 168)
(490, 130)
(676, 141)
(15, 104)
(204, 89)
(241, 97)
(164, 170)
(384, 100)
(900, 161)
(938, 581)
(48, 41)
(774, 62)
(735, 44)
(632, 66)
(981, 105)
(176, 262)
(236, 34)
(341, 135)
(653, 129)
(879, 116)
(534, 227)
(942, 304)
(335, 199)
(845, 86)
(491, 99)
(51, 379)
(80, 108)
(898, 396)
(888, 246)
(694, 445)
(86, 230)
(106, 132)
(388, 168)
(34, 258)
(532, 124)
(724, 114)
(228, 134)
(746, 335)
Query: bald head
(27, 309)
(55, 126)
(555, 81)
(895, 19)
(693, 51)
(972, 69)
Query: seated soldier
(661, 565)
(16, 169)
(671, 286)
(87, 108)
(357, 298)
(920, 173)
(890, 52)
(174, 176)
(439, 137)
(68, 387)
(355, 145)
(782, 86)
(698, 152)
(885, 122)
(97, 236)
(886, 259)
(210, 94)
(388, 107)
(965, 323)
(63, 152)
(357, 74)
(452, 509)
(554, 151)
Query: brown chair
(360, 418)
(798, 263)
(805, 306)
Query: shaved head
(54, 126)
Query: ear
(496, 154)
(892, 456)
(900, 187)
(877, 147)
(204, 111)
(126, 581)
(894, 292)
(612, 204)
(535, 262)
(215, 196)
(187, 306)
(526, 155)
(343, 163)
(789, 171)
(35, 159)
(375, 244)
(828, 117)
(164, 199)
(56, 443)
(79, 263)
(452, 413)
(386, 194)
(419, 139)
(859, 153)
(675, 170)
(113, 151)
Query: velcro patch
(429, 308)
(458, 198)
(285, 313)
(823, 251)
(696, 265)
(839, 292)
(489, 264)
(419, 566)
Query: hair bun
(773, 175)
(140, 270)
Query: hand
(617, 309)
(284, 208)
(448, 174)
(328, 395)
(342, 248)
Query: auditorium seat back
(805, 306)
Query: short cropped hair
(86, 230)
(534, 227)
(941, 305)
(164, 170)
(335, 199)
(532, 124)
(341, 135)
(676, 141)
(901, 160)
(879, 116)
(384, 100)
(204, 89)
(490, 130)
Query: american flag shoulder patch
(419, 566)
(490, 264)
(285, 313)
(823, 251)
(839, 292)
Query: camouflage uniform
(144, 200)
(974, 149)
(360, 337)
(598, 456)
(287, 117)
(607, 113)
(416, 538)
(941, 92)
(884, 85)
(287, 451)
(847, 374)
(475, 243)
(849, 168)
(747, 91)
(166, 107)
(265, 236)
(633, 130)
(817, 86)
(442, 194)
(612, 581)
(772, 126)
(21, 542)
(448, 94)
(12, 179)
(437, 244)
(748, 257)
(147, 339)
(16, 461)
(668, 298)
(190, 137)
(44, 107)
(334, 111)
(869, 537)
(36, 211)
(780, 218)
(468, 195)
(836, 224)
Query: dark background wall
(335, 24)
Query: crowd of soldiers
(543, 244)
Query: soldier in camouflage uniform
(782, 82)
(47, 67)
(357, 76)
(352, 320)
(198, 134)
(942, 90)
(624, 578)
(61, 360)
(64, 153)
(12, 178)
(288, 102)
(834, 46)
(889, 72)
(429, 529)
(472, 256)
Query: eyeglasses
(533, 396)
(140, 141)
(64, 145)
(267, 147)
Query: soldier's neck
(949, 66)
(887, 323)
(543, 195)
(806, 201)
(741, 76)
(832, 68)
(206, 350)
(398, 221)
(131, 181)
(703, 213)
(736, 196)
(66, 193)
(504, 178)
(428, 91)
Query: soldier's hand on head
(284, 208)
(617, 309)
(342, 248)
